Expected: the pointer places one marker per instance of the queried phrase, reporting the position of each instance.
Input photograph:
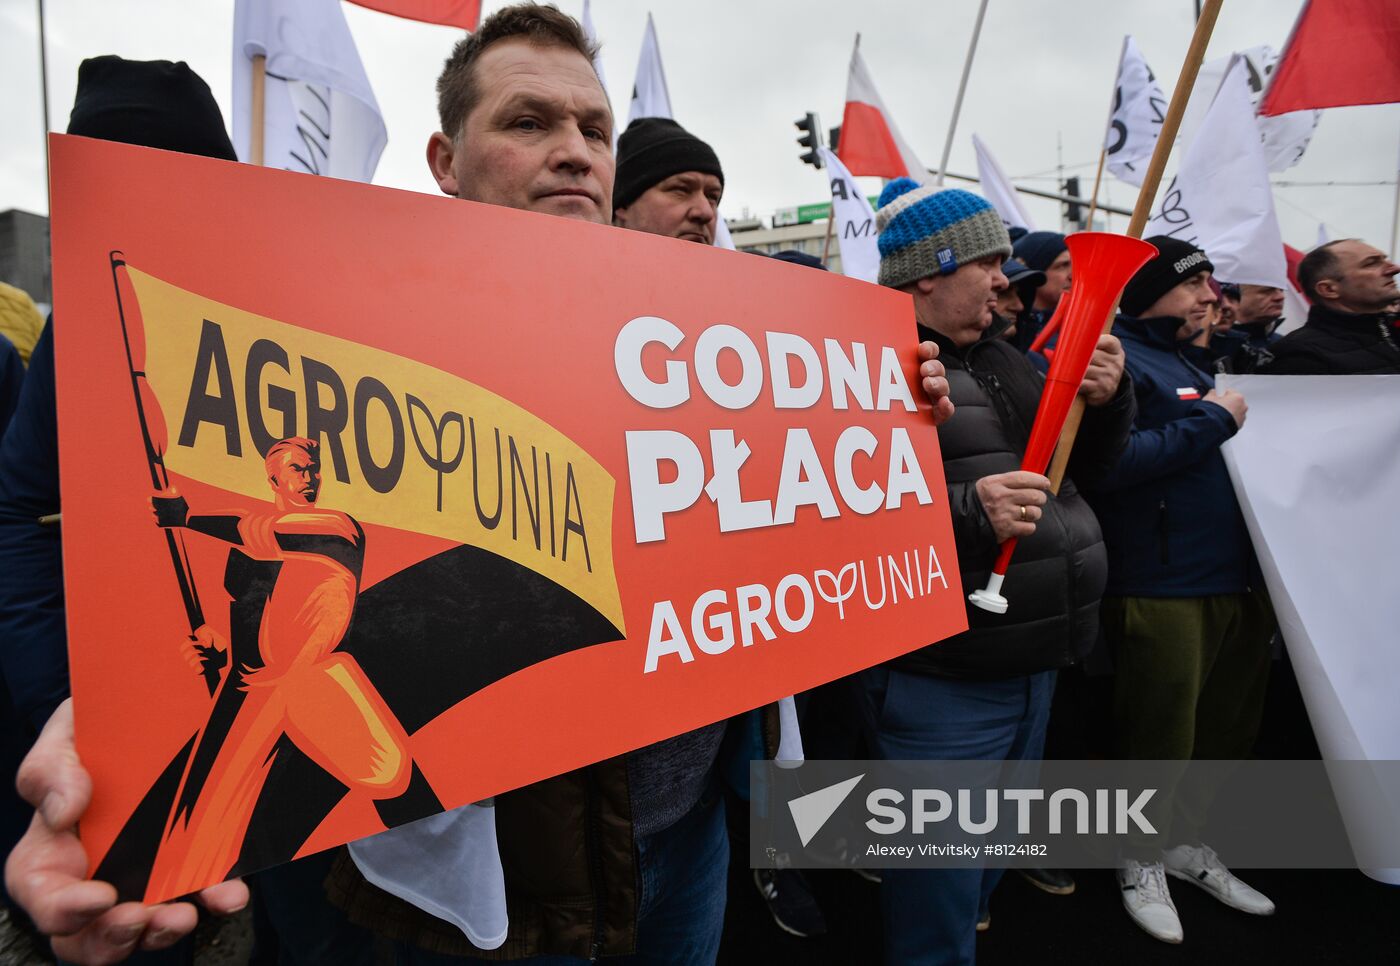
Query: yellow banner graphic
(403, 444)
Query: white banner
(1221, 199)
(853, 222)
(320, 115)
(1285, 137)
(996, 187)
(1316, 468)
(1139, 108)
(650, 96)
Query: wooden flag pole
(255, 136)
(1094, 198)
(830, 224)
(1195, 54)
(1103, 149)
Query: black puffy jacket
(1057, 574)
(1338, 344)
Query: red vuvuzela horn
(1103, 263)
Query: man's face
(960, 305)
(1259, 303)
(539, 137)
(295, 476)
(1189, 300)
(1009, 303)
(1229, 311)
(1058, 279)
(1363, 281)
(684, 206)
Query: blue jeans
(930, 915)
(683, 872)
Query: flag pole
(44, 87)
(1395, 215)
(255, 136)
(1195, 54)
(1103, 149)
(1094, 197)
(962, 89)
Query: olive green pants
(1190, 680)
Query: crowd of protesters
(1141, 556)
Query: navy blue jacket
(1168, 511)
(11, 379)
(33, 642)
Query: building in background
(802, 229)
(24, 255)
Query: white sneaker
(1149, 903)
(1200, 866)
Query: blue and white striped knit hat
(926, 230)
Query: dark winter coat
(1245, 347)
(1168, 510)
(1336, 343)
(1057, 574)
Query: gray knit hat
(925, 230)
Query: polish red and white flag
(450, 13)
(1341, 52)
(870, 142)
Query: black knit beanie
(1176, 261)
(155, 104)
(651, 150)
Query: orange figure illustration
(293, 574)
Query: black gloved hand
(170, 511)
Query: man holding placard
(529, 128)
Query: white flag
(319, 113)
(1322, 236)
(1285, 136)
(1221, 199)
(1139, 108)
(650, 97)
(997, 189)
(592, 36)
(853, 222)
(722, 236)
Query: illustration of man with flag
(293, 574)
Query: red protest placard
(376, 503)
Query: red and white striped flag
(450, 13)
(870, 141)
(1341, 52)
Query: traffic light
(1072, 212)
(833, 137)
(810, 138)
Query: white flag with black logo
(1221, 199)
(853, 222)
(319, 113)
(650, 96)
(1285, 136)
(1139, 108)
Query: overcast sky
(740, 72)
